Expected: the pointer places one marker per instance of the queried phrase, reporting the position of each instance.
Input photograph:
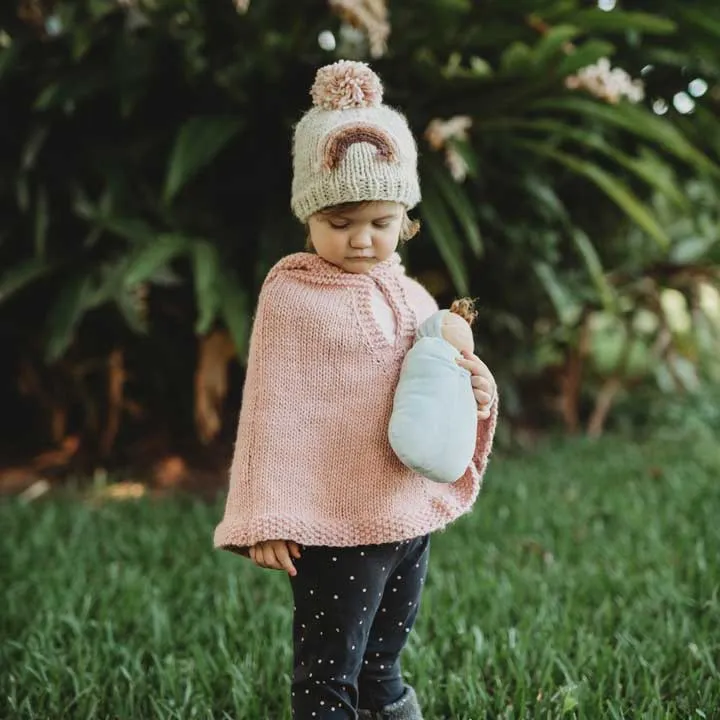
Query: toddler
(315, 488)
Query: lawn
(585, 584)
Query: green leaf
(595, 20)
(200, 139)
(33, 146)
(446, 239)
(22, 274)
(609, 184)
(587, 54)
(235, 309)
(595, 270)
(648, 168)
(553, 42)
(66, 314)
(479, 67)
(517, 59)
(42, 222)
(458, 200)
(133, 309)
(8, 57)
(636, 120)
(206, 261)
(566, 307)
(153, 257)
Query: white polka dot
(361, 622)
(322, 613)
(362, 553)
(380, 639)
(334, 559)
(309, 674)
(303, 625)
(335, 597)
(317, 617)
(352, 648)
(365, 662)
(364, 589)
(352, 577)
(312, 592)
(383, 567)
(382, 667)
(417, 564)
(383, 610)
(399, 577)
(332, 662)
(377, 654)
(314, 714)
(319, 661)
(307, 692)
(394, 589)
(337, 629)
(407, 629)
(364, 608)
(409, 604)
(322, 702)
(321, 634)
(399, 624)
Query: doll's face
(458, 333)
(356, 239)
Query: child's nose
(361, 239)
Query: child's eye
(381, 224)
(339, 226)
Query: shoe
(406, 708)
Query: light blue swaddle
(433, 427)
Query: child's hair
(465, 308)
(409, 228)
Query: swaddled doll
(433, 427)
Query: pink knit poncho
(312, 460)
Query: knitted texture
(349, 147)
(312, 460)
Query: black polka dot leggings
(354, 609)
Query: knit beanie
(349, 147)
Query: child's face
(358, 238)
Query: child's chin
(359, 265)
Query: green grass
(586, 584)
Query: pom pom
(346, 84)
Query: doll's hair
(465, 308)
(408, 229)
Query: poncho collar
(312, 268)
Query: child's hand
(483, 383)
(275, 554)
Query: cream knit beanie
(349, 147)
